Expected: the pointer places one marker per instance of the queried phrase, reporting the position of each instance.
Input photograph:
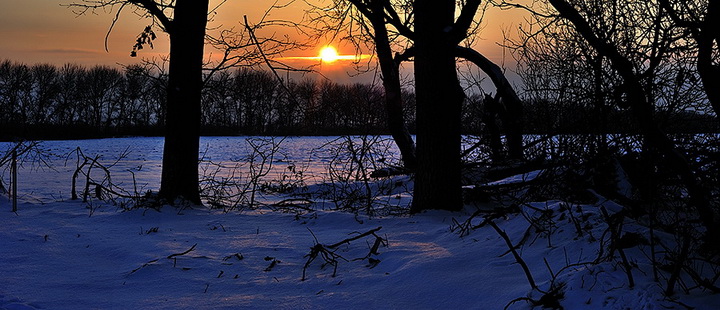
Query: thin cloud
(318, 58)
(67, 51)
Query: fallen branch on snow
(327, 252)
(171, 256)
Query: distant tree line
(71, 101)
(246, 101)
(46, 101)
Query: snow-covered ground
(55, 255)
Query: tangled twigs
(467, 226)
(102, 183)
(233, 187)
(27, 151)
(349, 183)
(14, 157)
(327, 252)
(330, 257)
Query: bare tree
(641, 106)
(44, 93)
(439, 103)
(70, 84)
(101, 96)
(384, 24)
(16, 87)
(365, 23)
(185, 22)
(702, 21)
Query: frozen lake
(141, 157)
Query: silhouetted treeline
(254, 102)
(48, 102)
(569, 117)
(45, 101)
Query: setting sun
(329, 54)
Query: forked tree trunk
(182, 123)
(512, 111)
(706, 34)
(391, 84)
(439, 102)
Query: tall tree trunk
(391, 84)
(707, 37)
(512, 111)
(439, 104)
(182, 123)
(490, 112)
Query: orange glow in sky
(45, 31)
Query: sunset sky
(43, 31)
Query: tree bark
(707, 37)
(182, 123)
(512, 111)
(490, 112)
(391, 84)
(439, 102)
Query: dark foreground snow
(56, 256)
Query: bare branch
(156, 11)
(506, 5)
(114, 21)
(463, 22)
